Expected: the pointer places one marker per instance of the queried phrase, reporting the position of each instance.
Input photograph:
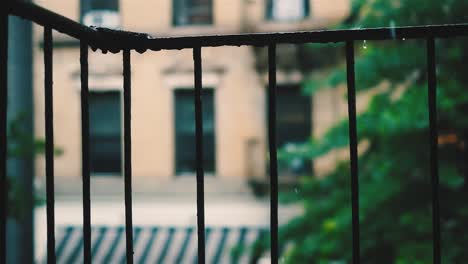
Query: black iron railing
(116, 41)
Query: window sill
(106, 175)
(193, 175)
(308, 23)
(195, 30)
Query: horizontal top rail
(116, 40)
(47, 18)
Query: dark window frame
(291, 93)
(90, 5)
(92, 137)
(209, 141)
(181, 8)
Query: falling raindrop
(364, 44)
(392, 29)
(404, 39)
(296, 190)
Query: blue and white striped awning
(157, 244)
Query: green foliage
(395, 190)
(21, 145)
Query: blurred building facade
(163, 126)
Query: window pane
(88, 5)
(185, 131)
(294, 126)
(98, 5)
(287, 10)
(105, 132)
(192, 12)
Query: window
(105, 133)
(100, 13)
(185, 131)
(287, 10)
(192, 12)
(293, 125)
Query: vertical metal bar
(49, 130)
(273, 153)
(85, 153)
(128, 153)
(3, 131)
(353, 151)
(434, 166)
(199, 151)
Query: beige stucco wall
(239, 90)
(155, 17)
(238, 98)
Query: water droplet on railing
(364, 44)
